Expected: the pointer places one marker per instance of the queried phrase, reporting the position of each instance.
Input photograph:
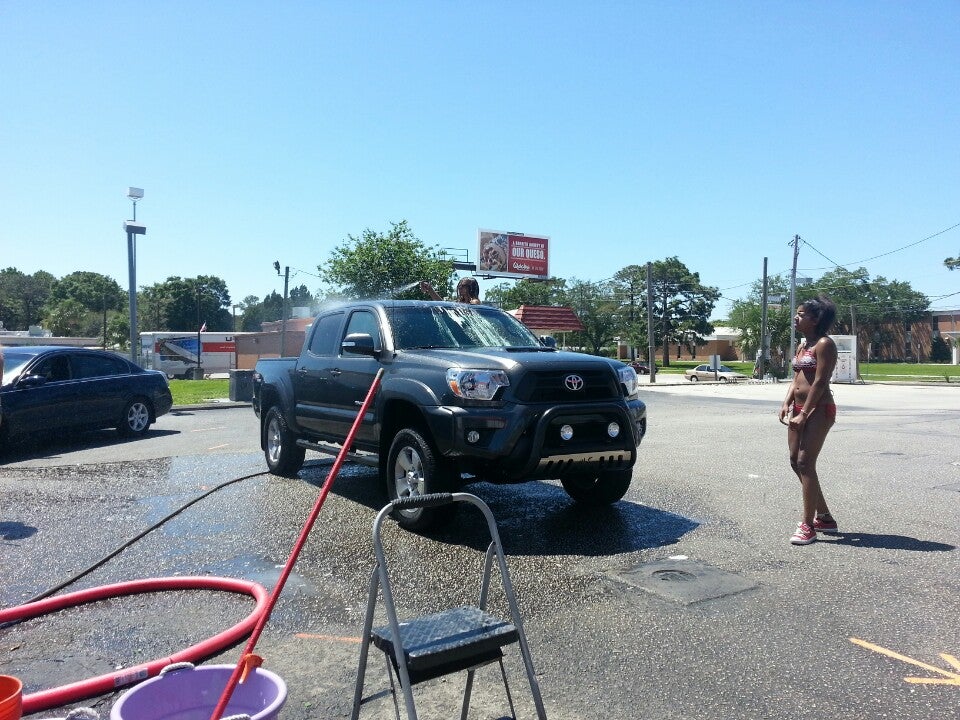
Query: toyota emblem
(573, 382)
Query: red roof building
(547, 319)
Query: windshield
(13, 363)
(457, 326)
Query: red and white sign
(504, 254)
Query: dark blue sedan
(53, 388)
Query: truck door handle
(336, 372)
(302, 371)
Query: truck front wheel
(280, 448)
(414, 468)
(603, 489)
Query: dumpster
(241, 385)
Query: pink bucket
(192, 693)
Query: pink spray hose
(248, 660)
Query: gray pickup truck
(467, 392)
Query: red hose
(244, 662)
(103, 684)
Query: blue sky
(624, 131)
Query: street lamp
(133, 229)
(283, 311)
(135, 194)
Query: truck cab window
(363, 321)
(325, 335)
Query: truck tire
(284, 456)
(604, 489)
(415, 468)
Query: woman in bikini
(809, 412)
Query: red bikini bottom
(830, 409)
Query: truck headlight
(628, 376)
(476, 384)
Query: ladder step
(448, 641)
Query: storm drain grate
(684, 581)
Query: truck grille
(553, 386)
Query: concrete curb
(212, 405)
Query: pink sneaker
(803, 535)
(825, 524)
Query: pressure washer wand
(248, 661)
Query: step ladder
(460, 639)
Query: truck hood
(507, 359)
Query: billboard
(511, 254)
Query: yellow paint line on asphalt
(332, 638)
(950, 679)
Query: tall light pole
(199, 338)
(133, 228)
(283, 312)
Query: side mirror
(29, 381)
(548, 341)
(359, 344)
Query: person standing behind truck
(468, 291)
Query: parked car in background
(52, 388)
(723, 374)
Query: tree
(23, 297)
(528, 292)
(871, 303)
(596, 308)
(35, 291)
(952, 263)
(630, 291)
(300, 296)
(66, 318)
(747, 316)
(92, 290)
(681, 304)
(100, 296)
(184, 304)
(387, 264)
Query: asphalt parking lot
(684, 600)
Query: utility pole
(283, 311)
(764, 341)
(793, 302)
(199, 339)
(666, 325)
(651, 344)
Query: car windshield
(457, 326)
(13, 363)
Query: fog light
(566, 432)
(613, 429)
(473, 436)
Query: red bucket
(11, 698)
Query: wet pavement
(625, 607)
